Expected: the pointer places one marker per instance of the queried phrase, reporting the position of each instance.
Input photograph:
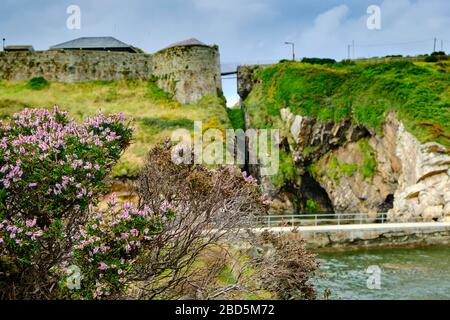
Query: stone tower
(188, 70)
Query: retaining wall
(369, 235)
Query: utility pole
(4, 44)
(348, 52)
(434, 45)
(442, 45)
(353, 45)
(293, 49)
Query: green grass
(155, 115)
(160, 124)
(332, 169)
(369, 164)
(156, 94)
(419, 93)
(308, 150)
(348, 169)
(236, 116)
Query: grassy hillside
(155, 114)
(419, 92)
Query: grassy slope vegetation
(155, 114)
(419, 92)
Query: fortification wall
(74, 66)
(188, 72)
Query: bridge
(230, 68)
(228, 73)
(282, 220)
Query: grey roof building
(19, 48)
(186, 43)
(95, 44)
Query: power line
(351, 48)
(392, 44)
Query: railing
(317, 219)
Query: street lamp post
(293, 49)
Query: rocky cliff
(340, 164)
(423, 191)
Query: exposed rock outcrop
(247, 80)
(310, 139)
(363, 171)
(423, 191)
(335, 150)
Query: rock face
(309, 139)
(423, 191)
(361, 171)
(361, 177)
(339, 152)
(247, 80)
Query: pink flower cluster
(38, 135)
(47, 156)
(19, 235)
(249, 179)
(110, 242)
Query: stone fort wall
(74, 66)
(188, 72)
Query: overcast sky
(247, 31)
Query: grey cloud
(246, 30)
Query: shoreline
(361, 236)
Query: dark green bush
(318, 60)
(432, 59)
(38, 83)
(347, 62)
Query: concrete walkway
(369, 226)
(367, 235)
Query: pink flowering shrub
(52, 171)
(108, 244)
(49, 163)
(20, 237)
